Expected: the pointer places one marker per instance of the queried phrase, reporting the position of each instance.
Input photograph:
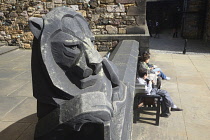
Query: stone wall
(194, 19)
(207, 29)
(104, 17)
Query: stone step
(3, 43)
(5, 49)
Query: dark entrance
(168, 13)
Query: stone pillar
(194, 19)
(139, 12)
(207, 30)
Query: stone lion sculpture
(78, 92)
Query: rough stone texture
(122, 31)
(125, 58)
(95, 17)
(194, 20)
(26, 46)
(107, 1)
(111, 29)
(142, 39)
(10, 1)
(140, 20)
(80, 94)
(207, 27)
(125, 1)
(135, 30)
(133, 11)
(14, 15)
(58, 1)
(83, 12)
(141, 2)
(49, 5)
(71, 1)
(115, 8)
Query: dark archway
(167, 12)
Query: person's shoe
(176, 109)
(166, 115)
(168, 78)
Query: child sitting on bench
(144, 63)
(166, 99)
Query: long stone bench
(125, 57)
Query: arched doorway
(167, 12)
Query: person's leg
(165, 112)
(156, 69)
(164, 103)
(156, 32)
(166, 97)
(167, 100)
(150, 32)
(162, 75)
(158, 82)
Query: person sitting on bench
(166, 99)
(144, 60)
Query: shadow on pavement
(167, 44)
(20, 130)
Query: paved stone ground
(189, 88)
(167, 44)
(17, 105)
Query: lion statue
(78, 92)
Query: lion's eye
(73, 47)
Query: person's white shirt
(148, 87)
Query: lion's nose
(95, 67)
(84, 70)
(87, 72)
(81, 68)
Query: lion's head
(67, 49)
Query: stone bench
(150, 103)
(125, 57)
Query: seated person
(149, 65)
(166, 99)
(144, 61)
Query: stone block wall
(207, 29)
(104, 17)
(194, 19)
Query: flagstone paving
(189, 87)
